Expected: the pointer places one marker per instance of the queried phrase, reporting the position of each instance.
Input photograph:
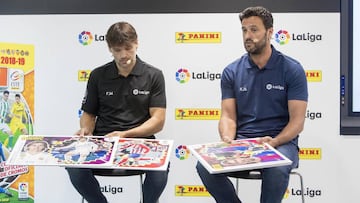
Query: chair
(256, 175)
(118, 173)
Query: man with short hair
(124, 98)
(264, 95)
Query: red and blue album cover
(245, 154)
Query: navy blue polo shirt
(262, 94)
(122, 103)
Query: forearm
(227, 129)
(227, 123)
(150, 127)
(287, 134)
(296, 123)
(87, 123)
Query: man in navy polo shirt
(124, 98)
(264, 95)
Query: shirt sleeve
(297, 84)
(227, 84)
(158, 93)
(90, 100)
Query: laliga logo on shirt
(140, 92)
(271, 86)
(85, 38)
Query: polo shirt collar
(138, 68)
(269, 64)
(112, 72)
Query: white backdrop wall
(329, 175)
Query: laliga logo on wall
(183, 76)
(182, 152)
(283, 37)
(85, 38)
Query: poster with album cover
(71, 151)
(16, 118)
(245, 154)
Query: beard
(255, 48)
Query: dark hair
(6, 92)
(260, 12)
(120, 33)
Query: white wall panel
(58, 93)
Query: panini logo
(191, 191)
(310, 153)
(198, 37)
(314, 75)
(197, 114)
(83, 75)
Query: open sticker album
(91, 152)
(245, 154)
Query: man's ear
(270, 33)
(136, 44)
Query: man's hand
(120, 134)
(269, 140)
(227, 139)
(83, 132)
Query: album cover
(245, 154)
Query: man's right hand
(227, 139)
(82, 132)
